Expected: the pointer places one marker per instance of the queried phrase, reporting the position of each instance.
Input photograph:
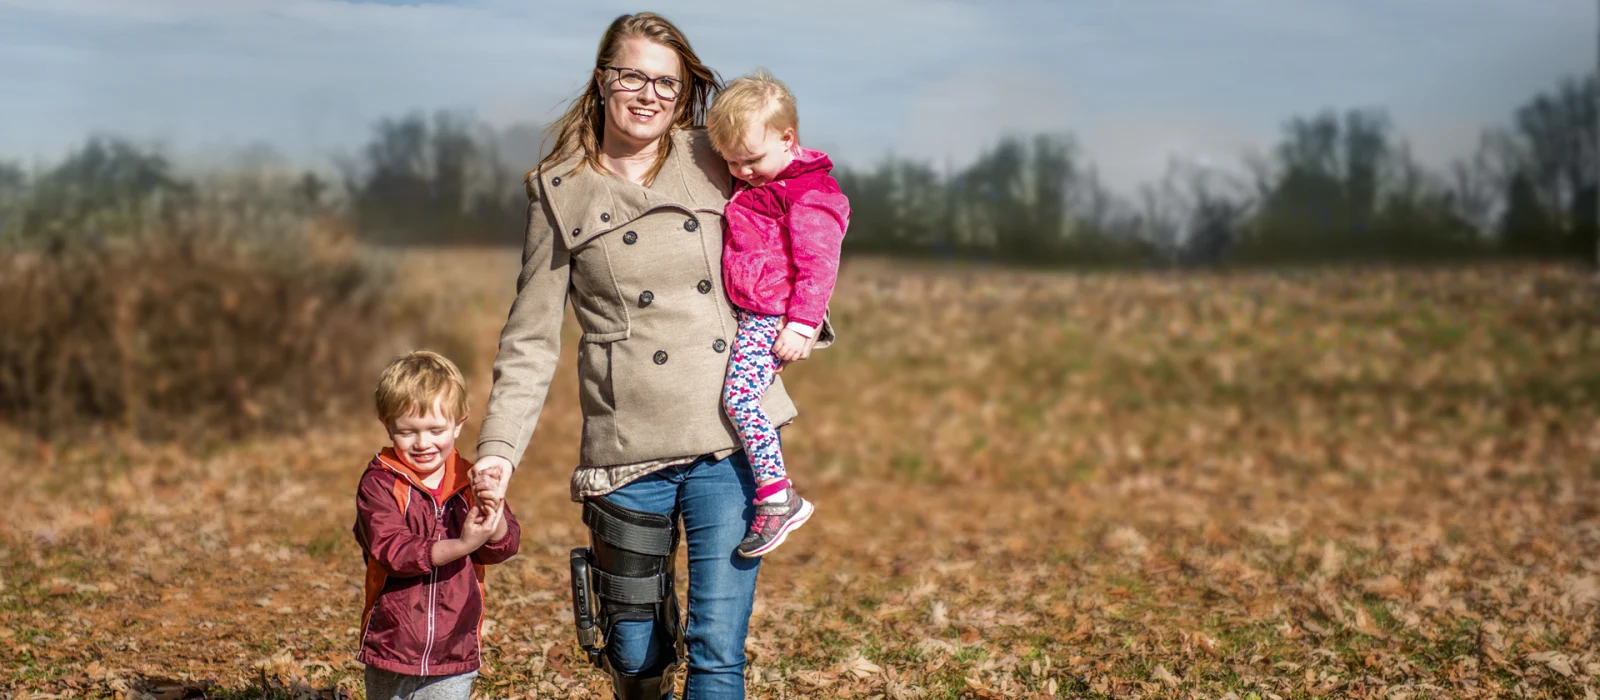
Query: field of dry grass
(1288, 485)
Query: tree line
(1336, 187)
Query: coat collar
(588, 204)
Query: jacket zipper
(433, 575)
(433, 589)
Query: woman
(624, 218)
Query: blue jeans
(714, 498)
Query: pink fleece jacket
(781, 252)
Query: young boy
(425, 539)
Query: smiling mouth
(643, 114)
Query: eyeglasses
(630, 80)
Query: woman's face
(641, 117)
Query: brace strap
(631, 589)
(626, 535)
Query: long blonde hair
(578, 132)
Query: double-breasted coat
(642, 268)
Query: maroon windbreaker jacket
(419, 619)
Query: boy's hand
(500, 528)
(480, 525)
(791, 347)
(489, 505)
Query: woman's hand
(490, 476)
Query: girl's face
(637, 118)
(761, 155)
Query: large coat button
(555, 182)
(704, 286)
(691, 225)
(645, 297)
(576, 231)
(630, 238)
(720, 345)
(661, 357)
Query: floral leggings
(750, 371)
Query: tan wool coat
(642, 268)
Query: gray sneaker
(774, 521)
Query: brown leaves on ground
(1364, 484)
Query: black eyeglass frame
(653, 83)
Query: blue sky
(1135, 81)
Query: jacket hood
(807, 161)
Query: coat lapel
(589, 204)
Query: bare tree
(435, 181)
(1195, 213)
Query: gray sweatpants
(388, 685)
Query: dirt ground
(1266, 485)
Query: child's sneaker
(774, 521)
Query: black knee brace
(627, 568)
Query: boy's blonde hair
(757, 98)
(411, 383)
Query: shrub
(192, 332)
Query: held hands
(490, 477)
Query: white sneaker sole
(806, 509)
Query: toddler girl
(785, 223)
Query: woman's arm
(530, 343)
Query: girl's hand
(791, 346)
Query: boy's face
(426, 441)
(761, 154)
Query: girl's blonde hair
(758, 98)
(411, 383)
(578, 132)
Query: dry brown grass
(1338, 484)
